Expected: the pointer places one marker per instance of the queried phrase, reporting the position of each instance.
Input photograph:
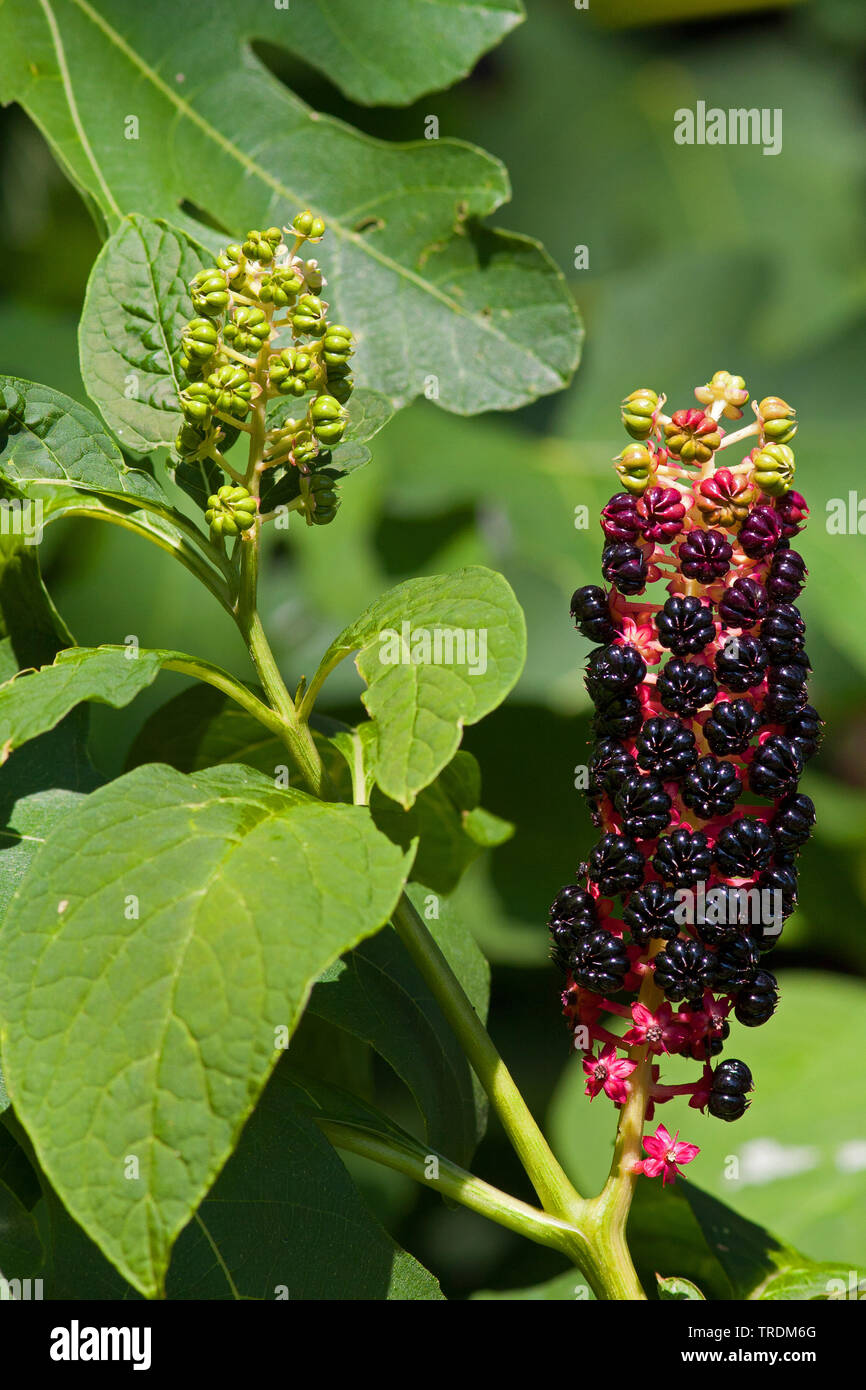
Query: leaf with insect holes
(470, 645)
(162, 956)
(441, 304)
(135, 309)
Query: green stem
(455, 1183)
(221, 680)
(556, 1193)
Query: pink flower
(661, 1030)
(607, 1073)
(665, 1154)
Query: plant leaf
(51, 440)
(135, 309)
(419, 708)
(479, 318)
(380, 54)
(377, 994)
(31, 704)
(151, 1036)
(673, 1287)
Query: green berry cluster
(260, 293)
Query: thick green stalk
(555, 1191)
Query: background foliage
(698, 258)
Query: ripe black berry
(599, 962)
(761, 532)
(617, 716)
(644, 806)
(610, 764)
(741, 662)
(787, 576)
(705, 555)
(683, 858)
(685, 625)
(757, 1002)
(781, 878)
(806, 731)
(683, 970)
(727, 1098)
(616, 865)
(792, 823)
(743, 604)
(650, 912)
(730, 726)
(786, 692)
(620, 520)
(782, 633)
(615, 669)
(736, 963)
(625, 566)
(711, 788)
(685, 686)
(667, 748)
(776, 767)
(590, 611)
(744, 848)
(572, 914)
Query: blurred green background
(699, 258)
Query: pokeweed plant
(198, 958)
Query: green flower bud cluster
(230, 510)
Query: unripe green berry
(637, 412)
(306, 225)
(196, 403)
(321, 499)
(247, 329)
(209, 293)
(635, 467)
(309, 316)
(337, 344)
(329, 419)
(230, 391)
(280, 286)
(189, 440)
(260, 246)
(341, 388)
(290, 372)
(199, 340)
(778, 420)
(774, 469)
(230, 510)
(233, 262)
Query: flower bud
(773, 468)
(727, 388)
(635, 467)
(692, 436)
(638, 409)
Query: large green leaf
(390, 52)
(419, 705)
(437, 299)
(51, 440)
(31, 704)
(136, 306)
(169, 930)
